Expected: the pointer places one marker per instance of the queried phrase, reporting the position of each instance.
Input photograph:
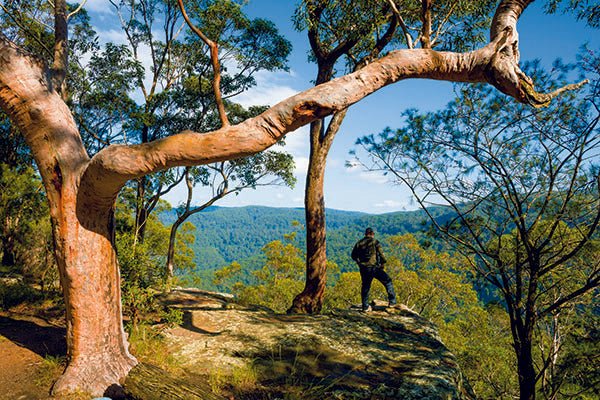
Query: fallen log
(147, 382)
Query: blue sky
(544, 37)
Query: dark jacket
(367, 252)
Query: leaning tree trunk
(82, 224)
(171, 250)
(141, 211)
(83, 230)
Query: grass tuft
(148, 345)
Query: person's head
(369, 232)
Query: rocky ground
(390, 353)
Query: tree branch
(407, 36)
(61, 48)
(24, 89)
(26, 30)
(426, 21)
(214, 58)
(77, 10)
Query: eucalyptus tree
(524, 186)
(136, 89)
(81, 188)
(345, 36)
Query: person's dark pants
(367, 274)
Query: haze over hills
(227, 234)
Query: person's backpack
(368, 254)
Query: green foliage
(26, 235)
(277, 282)
(142, 265)
(345, 292)
(582, 9)
(577, 372)
(481, 340)
(31, 25)
(238, 235)
(138, 302)
(50, 369)
(359, 26)
(149, 346)
(13, 149)
(280, 278)
(21, 195)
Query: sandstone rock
(390, 353)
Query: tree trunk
(310, 300)
(526, 371)
(96, 341)
(141, 211)
(171, 250)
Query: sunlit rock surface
(390, 353)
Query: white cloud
(112, 35)
(297, 142)
(373, 177)
(99, 6)
(355, 168)
(298, 200)
(270, 89)
(392, 204)
(301, 166)
(335, 163)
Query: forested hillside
(225, 234)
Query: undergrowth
(49, 370)
(148, 345)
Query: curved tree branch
(496, 63)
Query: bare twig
(407, 36)
(76, 10)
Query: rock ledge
(390, 353)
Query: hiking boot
(367, 310)
(392, 304)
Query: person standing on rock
(370, 259)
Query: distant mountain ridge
(227, 234)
